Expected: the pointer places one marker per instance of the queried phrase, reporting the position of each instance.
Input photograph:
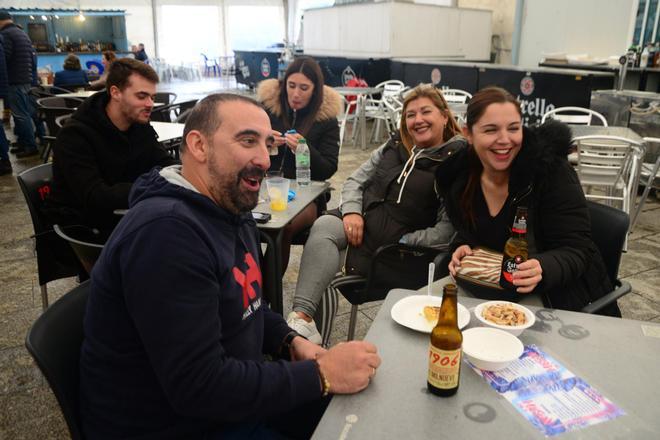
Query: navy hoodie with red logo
(176, 328)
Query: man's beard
(227, 192)
(132, 115)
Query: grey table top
(357, 90)
(620, 358)
(588, 130)
(304, 196)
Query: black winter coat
(95, 165)
(559, 226)
(18, 54)
(4, 80)
(322, 138)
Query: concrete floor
(28, 409)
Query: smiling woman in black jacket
(507, 166)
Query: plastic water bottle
(303, 173)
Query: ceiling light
(31, 17)
(81, 17)
(44, 18)
(57, 17)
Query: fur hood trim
(268, 93)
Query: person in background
(175, 317)
(72, 75)
(107, 59)
(507, 166)
(19, 60)
(105, 145)
(5, 163)
(391, 198)
(302, 103)
(141, 54)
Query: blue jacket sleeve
(171, 287)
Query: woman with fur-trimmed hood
(301, 106)
(302, 103)
(507, 166)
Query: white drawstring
(407, 174)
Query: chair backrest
(61, 120)
(165, 113)
(87, 243)
(456, 96)
(165, 97)
(393, 109)
(605, 160)
(59, 102)
(609, 227)
(54, 341)
(50, 115)
(55, 259)
(574, 116)
(183, 116)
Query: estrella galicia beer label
(444, 367)
(510, 266)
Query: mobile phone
(260, 217)
(292, 131)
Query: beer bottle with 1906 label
(515, 249)
(446, 347)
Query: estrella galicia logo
(347, 75)
(265, 68)
(527, 85)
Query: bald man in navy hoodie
(176, 327)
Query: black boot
(5, 167)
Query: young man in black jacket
(103, 148)
(176, 326)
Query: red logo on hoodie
(245, 280)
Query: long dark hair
(435, 95)
(475, 110)
(312, 71)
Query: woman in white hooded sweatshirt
(391, 198)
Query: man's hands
(301, 349)
(349, 366)
(354, 228)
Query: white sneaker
(306, 329)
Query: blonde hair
(428, 91)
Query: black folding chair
(55, 259)
(54, 342)
(87, 243)
(165, 97)
(609, 227)
(393, 265)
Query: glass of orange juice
(277, 188)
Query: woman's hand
(292, 140)
(279, 139)
(528, 275)
(354, 228)
(456, 258)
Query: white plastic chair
(611, 163)
(456, 96)
(375, 108)
(648, 174)
(574, 116)
(349, 112)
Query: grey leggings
(321, 259)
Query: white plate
(409, 312)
